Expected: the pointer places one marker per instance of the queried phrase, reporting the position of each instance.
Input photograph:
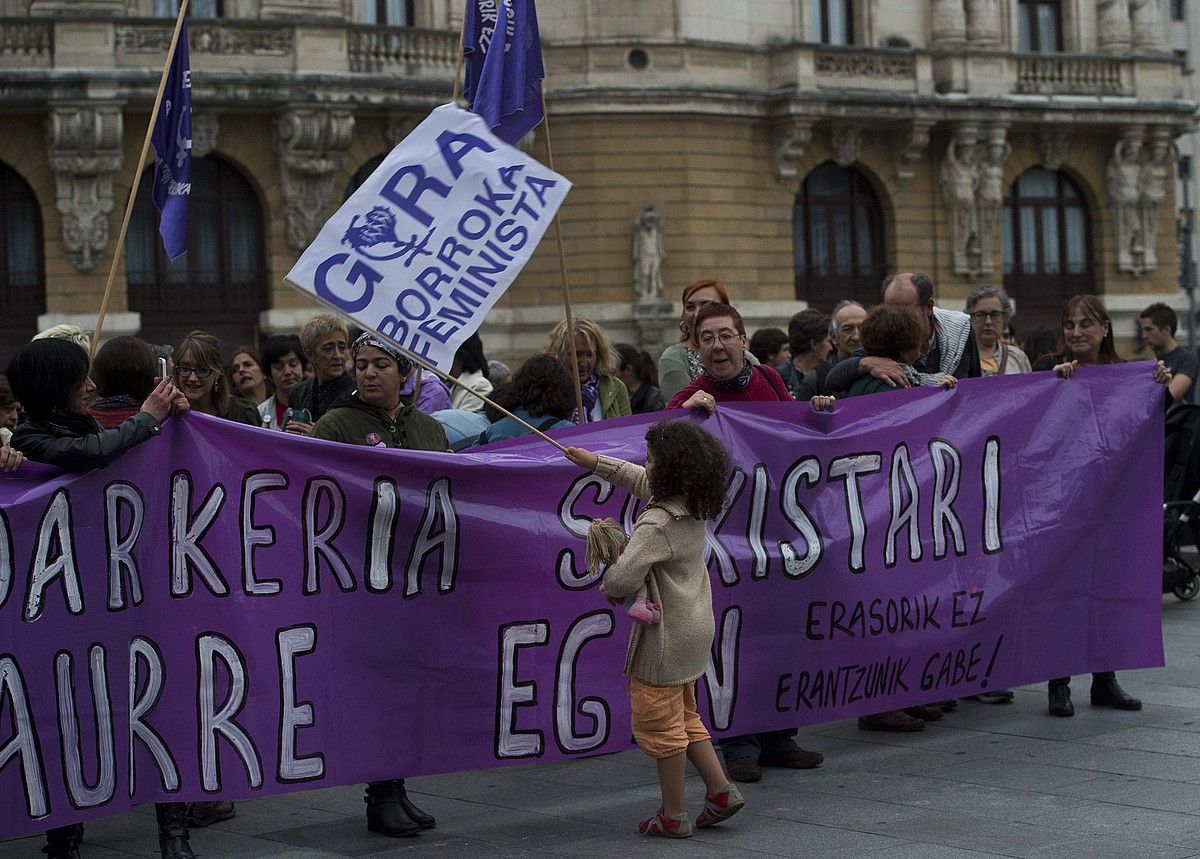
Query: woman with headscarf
(604, 395)
(375, 416)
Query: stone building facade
(796, 149)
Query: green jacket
(356, 422)
(614, 398)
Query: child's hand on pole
(582, 458)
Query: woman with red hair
(680, 363)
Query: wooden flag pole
(137, 179)
(562, 267)
(458, 64)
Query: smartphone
(303, 415)
(162, 368)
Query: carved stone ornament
(909, 146)
(1156, 168)
(84, 145)
(1123, 177)
(792, 137)
(1052, 148)
(312, 145)
(959, 177)
(989, 195)
(205, 127)
(847, 144)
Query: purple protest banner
(227, 612)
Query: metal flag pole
(137, 179)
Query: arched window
(837, 234)
(22, 276)
(1046, 239)
(220, 284)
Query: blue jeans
(753, 745)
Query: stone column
(84, 145)
(1148, 30)
(1113, 30)
(312, 145)
(983, 23)
(948, 22)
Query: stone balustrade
(1070, 74)
(25, 43)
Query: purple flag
(172, 140)
(504, 86)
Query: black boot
(63, 842)
(385, 812)
(173, 830)
(1106, 692)
(423, 820)
(1060, 698)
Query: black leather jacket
(78, 443)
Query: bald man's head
(911, 289)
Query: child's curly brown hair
(689, 461)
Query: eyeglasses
(988, 315)
(183, 371)
(727, 338)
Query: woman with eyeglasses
(990, 310)
(1087, 341)
(199, 374)
(680, 362)
(726, 375)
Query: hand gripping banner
(229, 612)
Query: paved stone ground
(984, 781)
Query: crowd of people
(62, 407)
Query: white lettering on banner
(429, 242)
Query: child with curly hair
(683, 484)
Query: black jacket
(319, 399)
(78, 443)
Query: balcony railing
(26, 43)
(403, 50)
(1063, 74)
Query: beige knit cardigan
(666, 551)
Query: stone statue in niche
(1124, 175)
(1154, 190)
(1113, 24)
(648, 254)
(959, 177)
(990, 195)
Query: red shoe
(720, 806)
(666, 827)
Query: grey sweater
(666, 552)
